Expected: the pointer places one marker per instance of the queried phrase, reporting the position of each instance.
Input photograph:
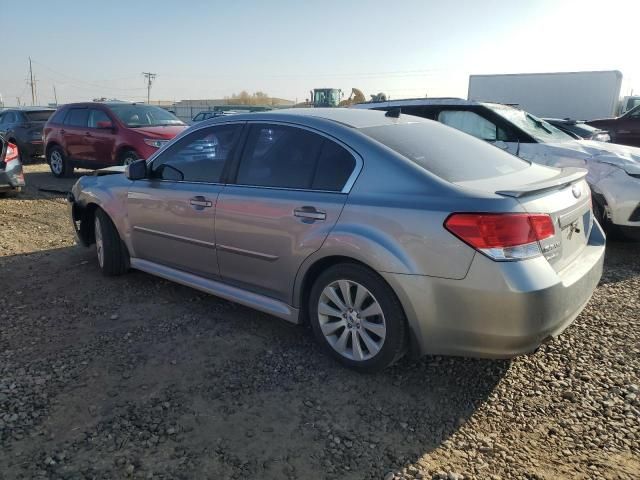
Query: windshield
(144, 116)
(446, 152)
(35, 116)
(540, 130)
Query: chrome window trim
(345, 189)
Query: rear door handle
(63, 131)
(310, 213)
(88, 134)
(199, 202)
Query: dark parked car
(23, 127)
(624, 129)
(579, 129)
(11, 177)
(96, 135)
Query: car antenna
(393, 113)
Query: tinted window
(279, 156)
(198, 117)
(96, 116)
(445, 152)
(41, 116)
(198, 157)
(334, 167)
(57, 117)
(76, 117)
(9, 117)
(137, 115)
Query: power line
(150, 78)
(32, 83)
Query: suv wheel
(128, 157)
(357, 317)
(112, 253)
(58, 163)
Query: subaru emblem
(576, 190)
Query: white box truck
(576, 95)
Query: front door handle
(624, 132)
(88, 134)
(310, 213)
(199, 202)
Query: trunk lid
(562, 194)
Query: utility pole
(150, 78)
(55, 95)
(32, 83)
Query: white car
(614, 170)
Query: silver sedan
(387, 233)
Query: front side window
(77, 117)
(97, 116)
(9, 117)
(473, 124)
(137, 115)
(198, 157)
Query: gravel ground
(138, 377)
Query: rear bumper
(500, 309)
(32, 149)
(12, 178)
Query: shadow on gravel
(38, 183)
(622, 261)
(135, 372)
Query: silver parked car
(387, 233)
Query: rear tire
(357, 317)
(113, 257)
(58, 163)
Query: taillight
(502, 236)
(12, 152)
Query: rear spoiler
(565, 177)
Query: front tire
(58, 163)
(356, 316)
(113, 257)
(128, 157)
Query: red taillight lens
(12, 152)
(500, 235)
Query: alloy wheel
(128, 160)
(352, 320)
(56, 161)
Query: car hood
(587, 151)
(161, 133)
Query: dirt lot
(138, 377)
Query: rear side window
(198, 157)
(77, 117)
(334, 167)
(448, 153)
(279, 156)
(96, 116)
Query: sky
(212, 49)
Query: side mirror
(136, 170)
(106, 125)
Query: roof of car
(29, 109)
(350, 117)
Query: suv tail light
(502, 236)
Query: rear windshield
(446, 152)
(41, 116)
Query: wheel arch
(49, 146)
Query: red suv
(97, 135)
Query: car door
(287, 194)
(171, 213)
(74, 132)
(626, 129)
(100, 137)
